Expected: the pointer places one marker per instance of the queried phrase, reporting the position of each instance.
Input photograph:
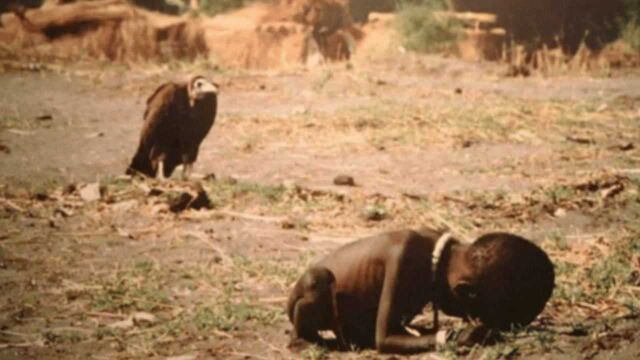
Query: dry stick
(13, 205)
(222, 334)
(234, 214)
(269, 219)
(274, 300)
(13, 333)
(22, 345)
(221, 253)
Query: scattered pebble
(90, 192)
(94, 135)
(197, 200)
(155, 192)
(143, 318)
(5, 149)
(344, 180)
(627, 146)
(69, 189)
(560, 212)
(40, 196)
(44, 117)
(287, 224)
(124, 206)
(372, 213)
(580, 140)
(183, 357)
(62, 212)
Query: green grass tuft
(423, 31)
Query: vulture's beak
(209, 88)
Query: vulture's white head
(200, 87)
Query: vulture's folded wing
(165, 109)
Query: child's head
(506, 280)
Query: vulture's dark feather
(176, 121)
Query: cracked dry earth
(429, 141)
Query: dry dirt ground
(429, 141)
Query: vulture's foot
(186, 171)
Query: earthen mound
(111, 29)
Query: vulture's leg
(187, 166)
(161, 171)
(186, 171)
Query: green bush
(424, 32)
(213, 7)
(631, 25)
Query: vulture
(177, 118)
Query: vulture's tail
(141, 164)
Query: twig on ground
(202, 237)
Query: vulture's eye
(199, 84)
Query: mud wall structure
(289, 32)
(110, 29)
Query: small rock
(560, 212)
(182, 357)
(62, 212)
(201, 201)
(581, 140)
(372, 213)
(69, 189)
(209, 177)
(40, 196)
(627, 146)
(466, 144)
(155, 192)
(94, 135)
(180, 203)
(125, 234)
(611, 191)
(458, 91)
(44, 117)
(143, 319)
(344, 180)
(123, 324)
(287, 224)
(197, 200)
(90, 192)
(124, 206)
(5, 149)
(159, 209)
